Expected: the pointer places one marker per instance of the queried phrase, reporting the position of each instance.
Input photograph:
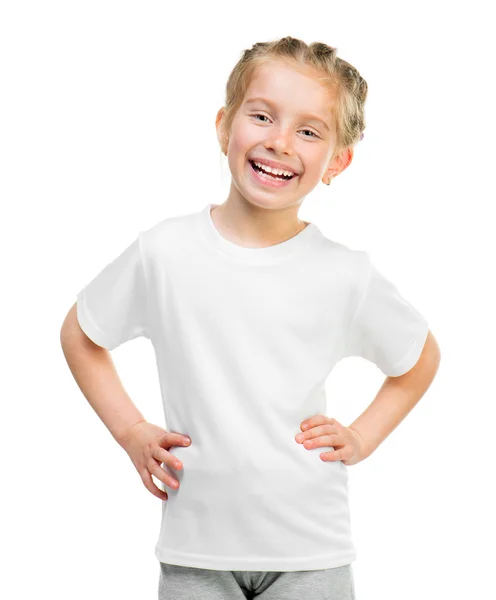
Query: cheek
(246, 139)
(241, 143)
(315, 163)
(237, 144)
(315, 159)
(235, 153)
(244, 136)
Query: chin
(272, 203)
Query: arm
(396, 398)
(95, 373)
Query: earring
(329, 182)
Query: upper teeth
(271, 170)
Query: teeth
(271, 170)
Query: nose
(280, 141)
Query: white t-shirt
(244, 340)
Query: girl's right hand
(147, 446)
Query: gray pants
(190, 583)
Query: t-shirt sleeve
(386, 329)
(111, 308)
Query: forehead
(293, 88)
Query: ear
(338, 164)
(221, 136)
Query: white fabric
(244, 341)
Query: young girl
(248, 309)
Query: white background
(106, 127)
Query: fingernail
(187, 440)
(304, 426)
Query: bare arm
(95, 373)
(396, 398)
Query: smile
(272, 179)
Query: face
(285, 117)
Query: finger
(164, 456)
(315, 432)
(308, 423)
(332, 455)
(323, 440)
(150, 485)
(316, 420)
(320, 440)
(306, 435)
(156, 469)
(175, 439)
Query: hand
(321, 430)
(147, 446)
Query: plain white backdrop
(106, 127)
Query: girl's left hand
(321, 430)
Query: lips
(274, 164)
(269, 182)
(260, 171)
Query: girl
(248, 309)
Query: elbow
(70, 331)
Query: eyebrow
(268, 103)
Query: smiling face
(285, 117)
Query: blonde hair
(349, 87)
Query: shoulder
(169, 235)
(353, 262)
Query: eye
(313, 134)
(259, 115)
(309, 130)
